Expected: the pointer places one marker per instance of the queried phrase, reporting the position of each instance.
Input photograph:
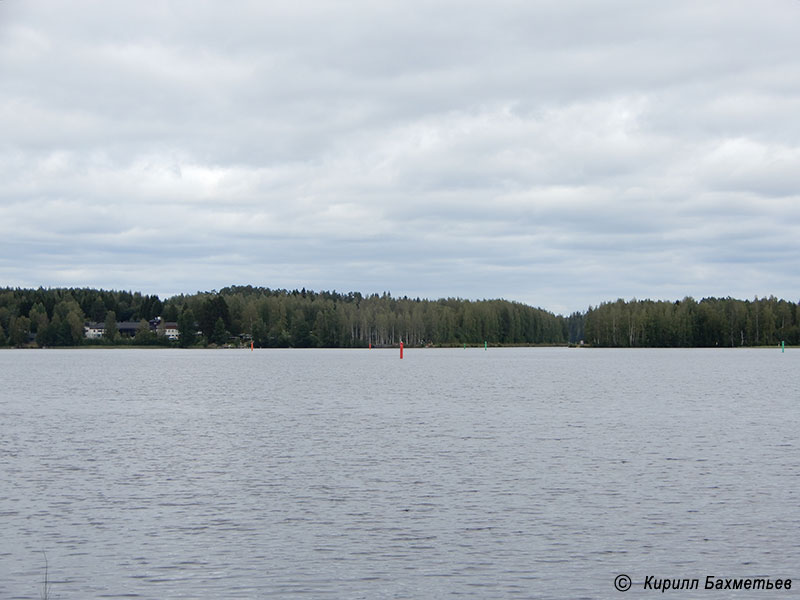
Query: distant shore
(238, 315)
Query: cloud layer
(560, 155)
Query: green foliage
(280, 318)
(19, 327)
(38, 317)
(186, 327)
(712, 322)
(145, 337)
(76, 319)
(304, 318)
(170, 313)
(212, 309)
(111, 332)
(219, 335)
(5, 317)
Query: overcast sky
(557, 153)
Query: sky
(560, 154)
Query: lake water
(510, 473)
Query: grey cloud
(557, 154)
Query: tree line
(272, 318)
(280, 318)
(711, 322)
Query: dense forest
(301, 319)
(711, 322)
(272, 318)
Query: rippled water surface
(512, 473)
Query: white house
(93, 331)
